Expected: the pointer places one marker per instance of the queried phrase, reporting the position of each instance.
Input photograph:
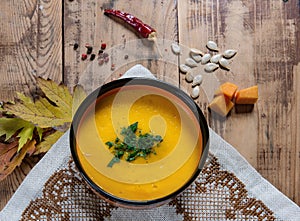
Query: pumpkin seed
(184, 68)
(197, 80)
(224, 63)
(195, 92)
(210, 67)
(196, 51)
(190, 62)
(211, 45)
(175, 48)
(189, 77)
(205, 58)
(196, 57)
(229, 53)
(215, 59)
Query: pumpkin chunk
(228, 89)
(247, 96)
(221, 105)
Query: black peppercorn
(92, 57)
(89, 50)
(75, 46)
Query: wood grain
(264, 33)
(277, 55)
(13, 181)
(86, 23)
(37, 38)
(30, 44)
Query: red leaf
(10, 159)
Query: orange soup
(162, 172)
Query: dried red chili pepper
(141, 28)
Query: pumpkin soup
(153, 111)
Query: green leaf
(40, 132)
(9, 126)
(25, 134)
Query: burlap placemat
(228, 188)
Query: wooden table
(37, 38)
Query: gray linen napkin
(229, 158)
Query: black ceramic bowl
(150, 180)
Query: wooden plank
(277, 52)
(86, 23)
(223, 23)
(30, 44)
(11, 183)
(296, 118)
(265, 34)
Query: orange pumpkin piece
(247, 96)
(221, 105)
(228, 89)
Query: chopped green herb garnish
(109, 144)
(134, 127)
(113, 161)
(133, 145)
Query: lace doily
(216, 195)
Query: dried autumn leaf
(7, 151)
(43, 113)
(23, 98)
(59, 94)
(78, 96)
(8, 165)
(51, 112)
(39, 113)
(48, 141)
(10, 126)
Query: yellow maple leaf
(41, 113)
(47, 143)
(31, 118)
(59, 94)
(78, 96)
(54, 110)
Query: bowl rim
(92, 97)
